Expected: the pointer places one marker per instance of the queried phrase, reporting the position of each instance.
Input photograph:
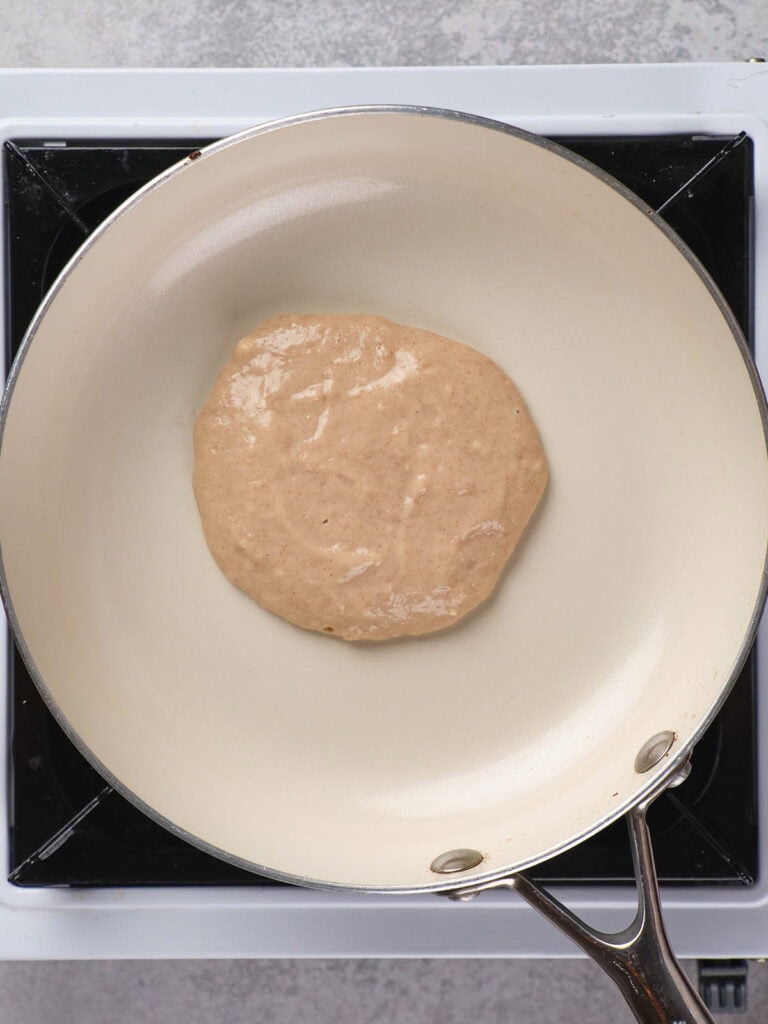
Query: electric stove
(87, 874)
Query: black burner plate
(69, 828)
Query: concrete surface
(206, 33)
(323, 992)
(252, 33)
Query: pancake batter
(362, 478)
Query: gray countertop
(269, 33)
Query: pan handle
(639, 959)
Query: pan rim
(673, 759)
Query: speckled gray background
(229, 33)
(323, 992)
(253, 33)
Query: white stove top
(702, 922)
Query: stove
(86, 874)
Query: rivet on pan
(451, 861)
(652, 751)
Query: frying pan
(453, 762)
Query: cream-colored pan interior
(623, 614)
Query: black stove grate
(68, 827)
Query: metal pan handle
(639, 959)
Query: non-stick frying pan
(456, 760)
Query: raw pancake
(362, 478)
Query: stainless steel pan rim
(673, 759)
